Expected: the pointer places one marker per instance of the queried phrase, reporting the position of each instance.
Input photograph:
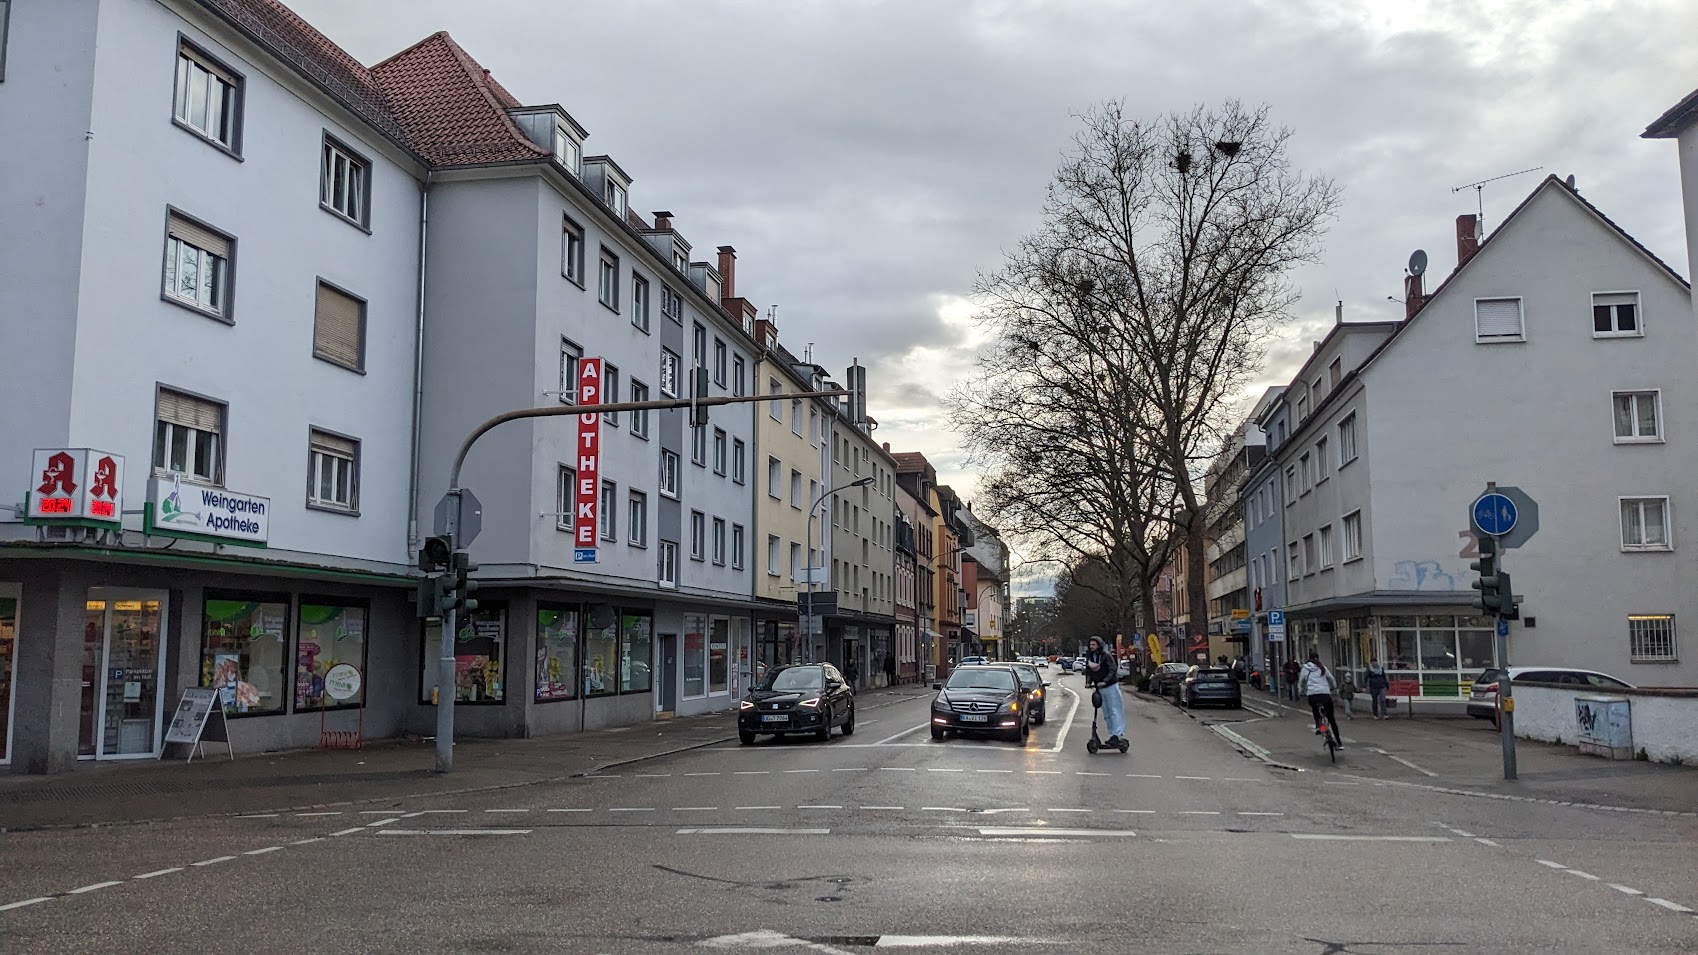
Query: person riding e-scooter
(1102, 671)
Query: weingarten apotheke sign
(179, 508)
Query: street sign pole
(1506, 694)
(446, 677)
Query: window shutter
(1615, 298)
(334, 444)
(199, 236)
(1497, 318)
(337, 325)
(190, 412)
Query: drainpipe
(413, 537)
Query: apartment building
(862, 475)
(1227, 582)
(1553, 359)
(910, 630)
(1264, 531)
(790, 441)
(985, 572)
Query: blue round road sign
(1494, 514)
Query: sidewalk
(111, 793)
(1456, 753)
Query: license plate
(780, 718)
(974, 718)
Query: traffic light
(1494, 597)
(435, 553)
(698, 391)
(429, 601)
(1508, 608)
(456, 587)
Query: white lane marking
(1328, 837)
(156, 873)
(1400, 759)
(759, 807)
(1203, 778)
(305, 842)
(1549, 864)
(1198, 812)
(942, 809)
(305, 814)
(632, 809)
(749, 831)
(653, 775)
(1584, 875)
(1066, 725)
(1665, 903)
(1144, 776)
(571, 810)
(1140, 812)
(851, 769)
(97, 885)
(881, 807)
(259, 815)
(1462, 833)
(1238, 779)
(701, 774)
(1053, 809)
(1487, 842)
(376, 812)
(424, 812)
(1261, 814)
(751, 772)
(1036, 831)
(346, 832)
(942, 941)
(819, 807)
(218, 859)
(945, 770)
(801, 770)
(993, 770)
(992, 812)
(897, 769)
(453, 832)
(18, 905)
(260, 852)
(1042, 772)
(382, 822)
(1092, 774)
(893, 738)
(694, 808)
(1624, 889)
(765, 938)
(610, 775)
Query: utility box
(1605, 725)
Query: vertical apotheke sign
(585, 515)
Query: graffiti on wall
(1420, 575)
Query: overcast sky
(867, 159)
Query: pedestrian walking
(890, 669)
(1346, 693)
(1378, 683)
(1289, 672)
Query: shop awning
(1383, 599)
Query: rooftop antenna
(808, 353)
(1479, 189)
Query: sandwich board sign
(199, 717)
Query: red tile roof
(454, 112)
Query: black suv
(807, 698)
(981, 699)
(1032, 683)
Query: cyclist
(1315, 682)
(1102, 671)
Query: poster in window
(557, 654)
(477, 657)
(601, 660)
(719, 639)
(243, 654)
(329, 635)
(695, 655)
(635, 674)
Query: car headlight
(940, 705)
(1037, 694)
(811, 702)
(745, 705)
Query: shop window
(718, 656)
(243, 650)
(635, 640)
(601, 659)
(328, 634)
(8, 653)
(695, 656)
(557, 654)
(478, 649)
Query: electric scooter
(1095, 742)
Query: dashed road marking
(933, 770)
(260, 852)
(632, 809)
(751, 772)
(1198, 812)
(1487, 842)
(1202, 778)
(1092, 774)
(1261, 814)
(748, 831)
(18, 905)
(701, 774)
(571, 810)
(801, 771)
(308, 841)
(993, 770)
(97, 885)
(345, 832)
(383, 822)
(1144, 776)
(259, 815)
(819, 807)
(1671, 906)
(850, 769)
(881, 807)
(1549, 864)
(453, 832)
(217, 859)
(1584, 875)
(1331, 837)
(1624, 889)
(759, 807)
(156, 873)
(694, 808)
(653, 775)
(1044, 831)
(303, 815)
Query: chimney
(887, 447)
(663, 221)
(766, 333)
(1467, 238)
(727, 272)
(1412, 297)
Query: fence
(1665, 721)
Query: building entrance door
(8, 663)
(668, 673)
(123, 668)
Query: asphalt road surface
(885, 839)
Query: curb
(1511, 797)
(1250, 749)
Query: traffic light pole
(1506, 692)
(447, 675)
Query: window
(695, 655)
(668, 473)
(671, 304)
(1303, 405)
(814, 426)
(608, 287)
(569, 356)
(344, 182)
(698, 344)
(557, 661)
(1347, 440)
(739, 463)
(328, 634)
(1325, 539)
(637, 524)
(1650, 639)
(775, 408)
(795, 561)
(667, 567)
(668, 373)
(639, 301)
(1323, 464)
(795, 488)
(188, 437)
(208, 98)
(567, 499)
(719, 541)
(1645, 523)
(1615, 315)
(1293, 564)
(737, 547)
(572, 252)
(796, 416)
(718, 451)
(1290, 485)
(719, 362)
(636, 672)
(1498, 320)
(477, 653)
(698, 535)
(698, 446)
(243, 644)
(1638, 416)
(719, 654)
(333, 478)
(772, 554)
(639, 419)
(1306, 473)
(567, 152)
(614, 195)
(1310, 564)
(601, 659)
(606, 516)
(609, 392)
(197, 266)
(739, 376)
(813, 491)
(1335, 372)
(5, 15)
(772, 478)
(1352, 536)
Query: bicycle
(1325, 730)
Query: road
(881, 840)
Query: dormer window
(680, 261)
(567, 152)
(614, 195)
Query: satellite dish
(1417, 262)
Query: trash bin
(1605, 726)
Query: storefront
(1430, 654)
(8, 665)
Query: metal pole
(446, 677)
(808, 618)
(1506, 694)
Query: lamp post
(809, 617)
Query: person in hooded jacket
(1102, 672)
(1317, 683)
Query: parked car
(980, 699)
(1167, 677)
(1125, 669)
(973, 661)
(1483, 699)
(806, 698)
(1033, 683)
(1210, 684)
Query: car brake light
(1491, 688)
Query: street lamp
(810, 616)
